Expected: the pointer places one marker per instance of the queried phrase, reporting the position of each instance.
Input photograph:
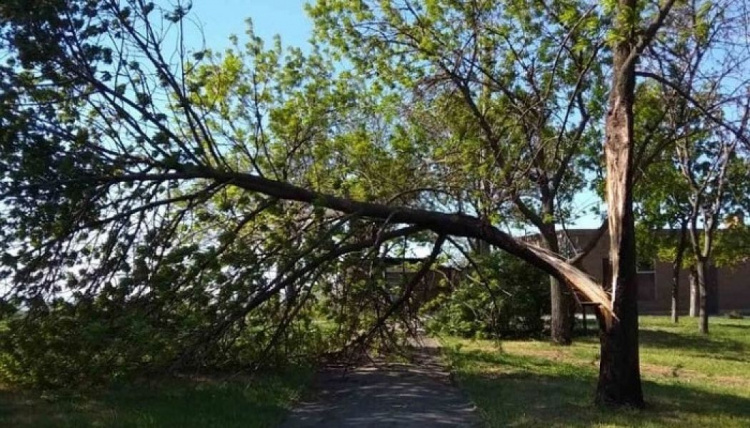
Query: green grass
(257, 402)
(688, 380)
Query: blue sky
(221, 18)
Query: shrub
(80, 342)
(501, 297)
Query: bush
(66, 344)
(85, 342)
(504, 297)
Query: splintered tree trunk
(619, 372)
(694, 293)
(700, 268)
(619, 368)
(561, 313)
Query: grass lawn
(688, 380)
(257, 402)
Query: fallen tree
(133, 164)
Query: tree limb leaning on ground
(114, 133)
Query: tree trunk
(703, 313)
(675, 296)
(561, 314)
(561, 301)
(694, 293)
(619, 368)
(676, 266)
(619, 372)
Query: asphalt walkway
(387, 395)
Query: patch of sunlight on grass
(689, 380)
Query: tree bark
(676, 267)
(561, 301)
(694, 293)
(700, 267)
(619, 369)
(619, 372)
(561, 313)
(675, 297)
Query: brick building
(730, 286)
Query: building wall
(662, 302)
(734, 288)
(732, 283)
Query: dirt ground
(419, 394)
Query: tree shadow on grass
(526, 391)
(713, 347)
(178, 403)
(736, 326)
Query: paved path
(387, 395)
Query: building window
(646, 280)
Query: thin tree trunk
(703, 313)
(675, 297)
(694, 293)
(561, 313)
(561, 305)
(676, 267)
(619, 372)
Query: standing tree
(662, 194)
(705, 166)
(662, 202)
